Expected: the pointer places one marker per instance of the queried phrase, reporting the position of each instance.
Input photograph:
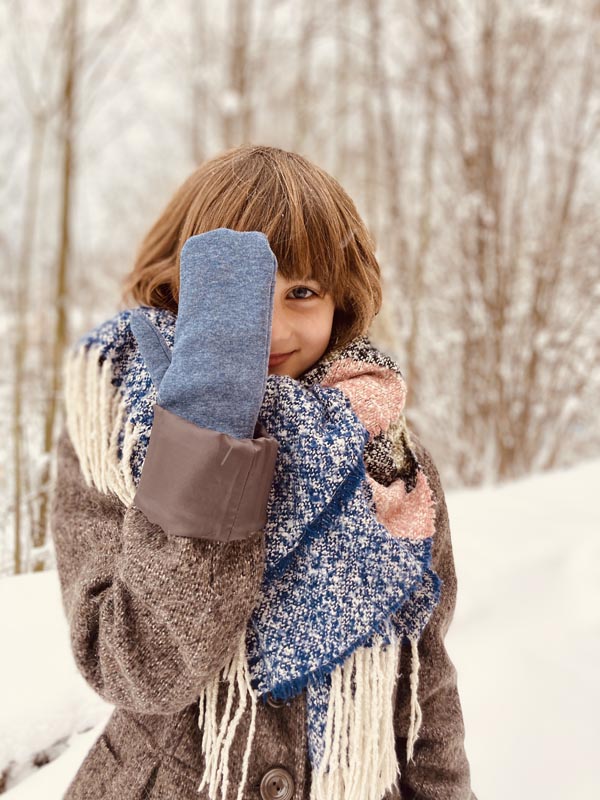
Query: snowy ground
(525, 641)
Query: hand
(216, 374)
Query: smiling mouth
(279, 359)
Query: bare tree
(46, 108)
(507, 367)
(303, 97)
(467, 134)
(415, 276)
(237, 119)
(59, 338)
(41, 114)
(199, 88)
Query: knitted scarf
(348, 539)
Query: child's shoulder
(364, 352)
(410, 443)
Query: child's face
(302, 322)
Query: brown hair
(311, 223)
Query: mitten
(216, 374)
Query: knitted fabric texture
(348, 541)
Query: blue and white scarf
(340, 591)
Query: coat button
(271, 701)
(277, 784)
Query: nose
(281, 331)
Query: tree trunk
(62, 268)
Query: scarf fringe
(416, 717)
(359, 761)
(217, 737)
(95, 414)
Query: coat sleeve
(439, 769)
(151, 615)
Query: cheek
(319, 328)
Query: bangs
(311, 223)
(298, 208)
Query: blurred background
(467, 133)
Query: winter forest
(466, 131)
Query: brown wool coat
(153, 615)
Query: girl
(253, 550)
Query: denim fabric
(216, 374)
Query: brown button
(277, 784)
(271, 701)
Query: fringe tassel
(217, 737)
(415, 709)
(359, 761)
(95, 414)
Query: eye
(304, 289)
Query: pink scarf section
(378, 395)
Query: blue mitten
(216, 374)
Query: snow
(525, 641)
(43, 697)
(526, 633)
